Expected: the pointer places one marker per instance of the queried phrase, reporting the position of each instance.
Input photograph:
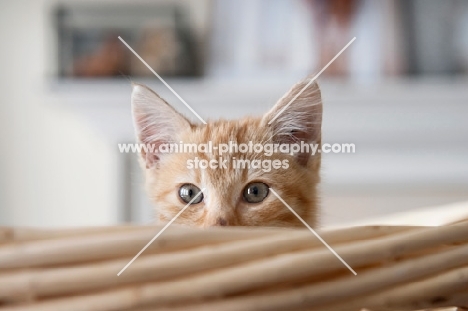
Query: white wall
(55, 170)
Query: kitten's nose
(222, 222)
(219, 221)
(219, 214)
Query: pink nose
(222, 222)
(217, 222)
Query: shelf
(405, 131)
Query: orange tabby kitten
(233, 195)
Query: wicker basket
(398, 268)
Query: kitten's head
(235, 193)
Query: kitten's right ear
(155, 121)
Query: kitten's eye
(188, 191)
(255, 192)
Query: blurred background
(399, 93)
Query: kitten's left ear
(155, 121)
(301, 120)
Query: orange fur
(223, 202)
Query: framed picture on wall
(162, 34)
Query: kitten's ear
(301, 119)
(155, 121)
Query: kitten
(233, 196)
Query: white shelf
(405, 131)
